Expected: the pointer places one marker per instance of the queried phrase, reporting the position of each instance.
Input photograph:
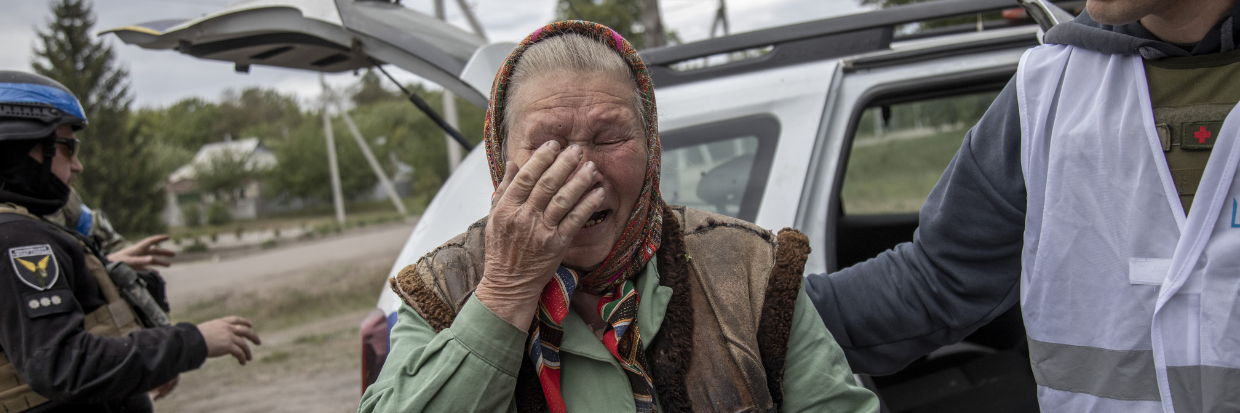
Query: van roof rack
(804, 42)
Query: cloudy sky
(159, 78)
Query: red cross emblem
(1201, 135)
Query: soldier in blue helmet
(78, 332)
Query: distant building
(245, 202)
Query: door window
(900, 150)
(719, 167)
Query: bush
(193, 215)
(215, 236)
(268, 244)
(327, 229)
(217, 214)
(239, 231)
(197, 246)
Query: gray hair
(575, 53)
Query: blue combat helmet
(32, 106)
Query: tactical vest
(1190, 97)
(115, 319)
(1129, 304)
(725, 332)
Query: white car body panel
(480, 72)
(312, 9)
(793, 94)
(464, 198)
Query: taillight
(374, 331)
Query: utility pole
(337, 198)
(449, 109)
(370, 158)
(473, 21)
(652, 25)
(721, 19)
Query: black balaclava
(29, 183)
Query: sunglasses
(72, 144)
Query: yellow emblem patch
(35, 265)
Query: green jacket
(472, 365)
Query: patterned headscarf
(637, 244)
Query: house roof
(260, 157)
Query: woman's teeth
(595, 219)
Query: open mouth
(597, 218)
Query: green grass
(329, 292)
(357, 214)
(317, 339)
(896, 176)
(275, 357)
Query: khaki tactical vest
(725, 334)
(115, 319)
(1190, 97)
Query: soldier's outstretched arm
(42, 329)
(145, 255)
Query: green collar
(579, 340)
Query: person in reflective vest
(1100, 192)
(71, 340)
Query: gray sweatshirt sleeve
(961, 270)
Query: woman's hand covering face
(535, 213)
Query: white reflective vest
(1129, 305)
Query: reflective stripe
(1204, 388)
(1114, 374)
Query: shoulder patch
(35, 265)
(43, 303)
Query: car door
(895, 122)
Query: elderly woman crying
(582, 291)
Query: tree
(228, 172)
(301, 170)
(370, 90)
(623, 16)
(121, 177)
(257, 112)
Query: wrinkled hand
(535, 213)
(145, 254)
(227, 336)
(163, 391)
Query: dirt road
(191, 282)
(306, 301)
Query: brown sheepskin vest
(726, 328)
